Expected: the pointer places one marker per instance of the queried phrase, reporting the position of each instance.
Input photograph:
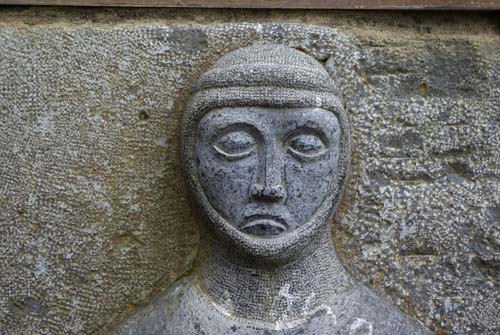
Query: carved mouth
(264, 225)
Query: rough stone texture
(184, 310)
(266, 151)
(93, 214)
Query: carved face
(267, 170)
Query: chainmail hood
(268, 75)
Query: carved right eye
(307, 145)
(235, 145)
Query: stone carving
(266, 152)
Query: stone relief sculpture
(266, 147)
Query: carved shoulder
(181, 310)
(159, 316)
(361, 312)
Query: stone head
(266, 149)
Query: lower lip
(263, 228)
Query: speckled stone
(185, 310)
(94, 216)
(266, 151)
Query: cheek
(227, 184)
(308, 184)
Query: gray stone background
(94, 217)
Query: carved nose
(268, 193)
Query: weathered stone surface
(266, 150)
(93, 215)
(183, 310)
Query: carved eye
(236, 145)
(307, 145)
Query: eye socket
(236, 144)
(307, 145)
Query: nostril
(273, 193)
(281, 190)
(267, 193)
(277, 191)
(257, 191)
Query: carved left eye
(307, 145)
(236, 145)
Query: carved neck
(271, 294)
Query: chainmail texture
(269, 75)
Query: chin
(274, 249)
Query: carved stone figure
(266, 148)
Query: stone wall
(94, 217)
